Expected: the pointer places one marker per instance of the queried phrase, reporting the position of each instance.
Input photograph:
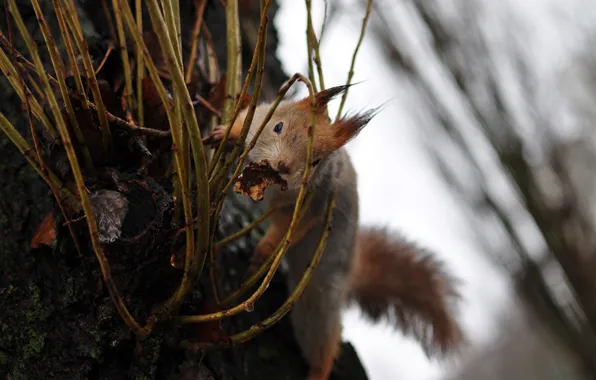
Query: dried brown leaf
(45, 233)
(255, 178)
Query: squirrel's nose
(282, 168)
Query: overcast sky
(398, 184)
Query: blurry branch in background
(369, 4)
(313, 50)
(511, 171)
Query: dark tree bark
(56, 318)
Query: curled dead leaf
(255, 178)
(45, 233)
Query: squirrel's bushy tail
(395, 280)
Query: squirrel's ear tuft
(349, 126)
(331, 137)
(324, 97)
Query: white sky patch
(398, 184)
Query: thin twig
(313, 45)
(213, 75)
(351, 72)
(309, 45)
(206, 104)
(134, 129)
(178, 22)
(105, 58)
(244, 231)
(196, 30)
(170, 30)
(211, 55)
(324, 23)
(32, 82)
(140, 66)
(106, 12)
(234, 59)
(128, 88)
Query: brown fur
(388, 277)
(346, 128)
(329, 137)
(322, 98)
(395, 280)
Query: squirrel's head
(283, 142)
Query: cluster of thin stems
(210, 169)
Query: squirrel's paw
(218, 132)
(216, 135)
(263, 250)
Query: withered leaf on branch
(255, 178)
(45, 233)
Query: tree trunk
(57, 320)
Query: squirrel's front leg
(280, 222)
(273, 236)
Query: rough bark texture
(56, 318)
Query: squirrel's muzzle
(282, 168)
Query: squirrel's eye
(278, 127)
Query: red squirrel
(387, 276)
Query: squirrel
(387, 276)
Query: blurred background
(484, 154)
